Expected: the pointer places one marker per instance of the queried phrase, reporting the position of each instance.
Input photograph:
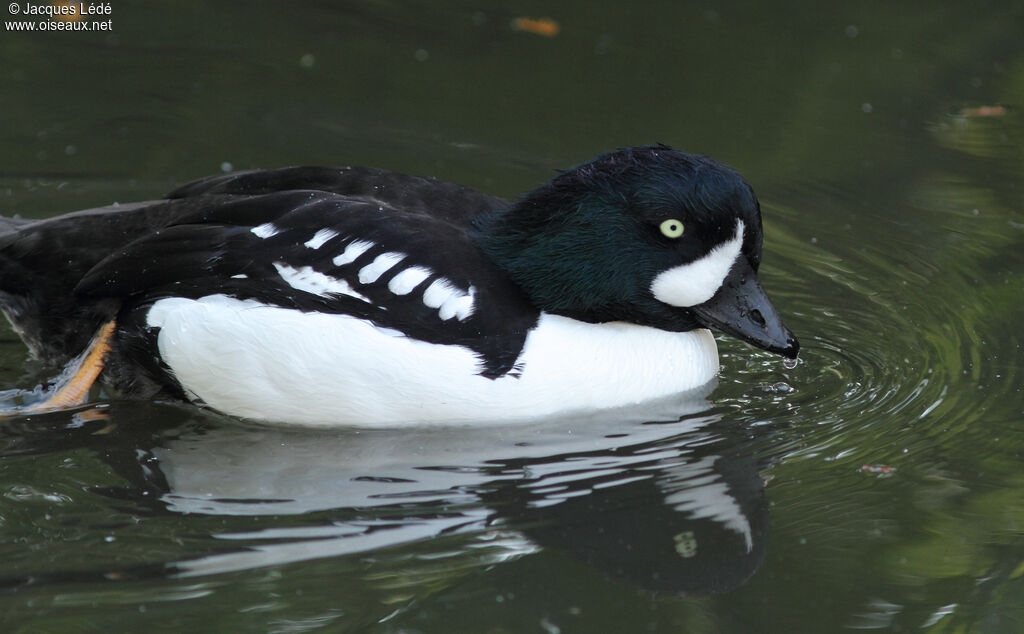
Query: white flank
(240, 276)
(265, 230)
(380, 265)
(269, 363)
(410, 278)
(320, 237)
(695, 283)
(307, 279)
(351, 252)
(440, 291)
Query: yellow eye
(672, 228)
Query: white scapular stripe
(695, 283)
(380, 265)
(351, 252)
(265, 230)
(265, 362)
(459, 306)
(320, 237)
(440, 291)
(307, 279)
(410, 278)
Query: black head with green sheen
(647, 235)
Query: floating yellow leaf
(538, 26)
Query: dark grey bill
(742, 309)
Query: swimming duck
(357, 296)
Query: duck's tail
(37, 299)
(41, 262)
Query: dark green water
(877, 485)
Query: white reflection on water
(651, 488)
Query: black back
(61, 277)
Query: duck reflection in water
(674, 507)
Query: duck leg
(73, 385)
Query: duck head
(647, 235)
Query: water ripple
(893, 342)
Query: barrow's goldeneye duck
(356, 296)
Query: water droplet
(790, 364)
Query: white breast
(257, 361)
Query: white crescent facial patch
(695, 283)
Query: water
(876, 484)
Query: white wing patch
(410, 278)
(265, 230)
(311, 281)
(449, 300)
(320, 237)
(380, 265)
(351, 252)
(459, 306)
(439, 291)
(695, 283)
